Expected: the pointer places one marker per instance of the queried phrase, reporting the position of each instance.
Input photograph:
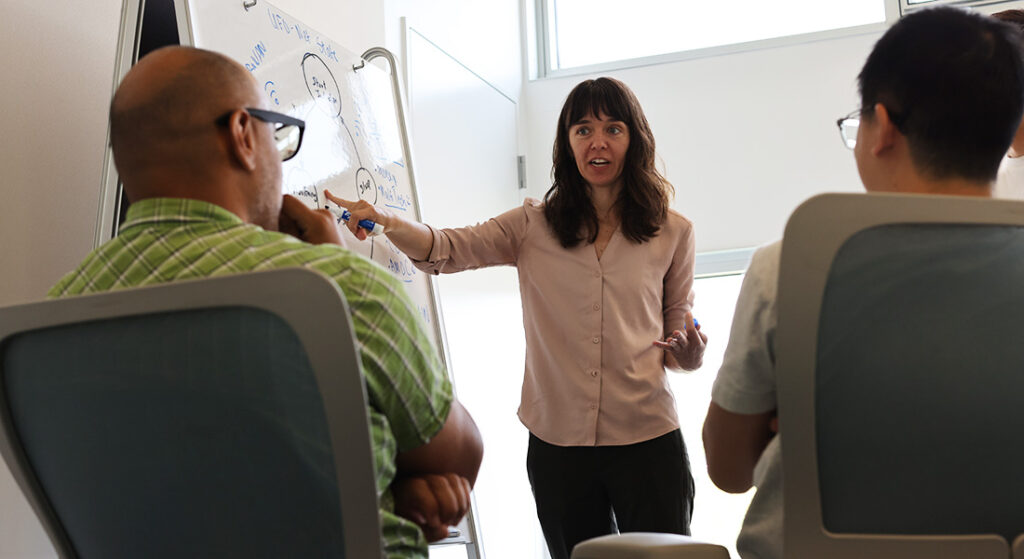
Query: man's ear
(885, 133)
(242, 139)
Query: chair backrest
(222, 417)
(901, 376)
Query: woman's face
(599, 146)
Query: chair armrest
(647, 545)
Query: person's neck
(946, 187)
(192, 188)
(965, 188)
(604, 199)
(906, 178)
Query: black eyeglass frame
(270, 117)
(853, 115)
(896, 119)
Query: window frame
(906, 6)
(894, 9)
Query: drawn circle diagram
(321, 84)
(366, 185)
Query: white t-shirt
(746, 384)
(1010, 180)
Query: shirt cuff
(439, 253)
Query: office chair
(901, 376)
(647, 545)
(222, 417)
(900, 381)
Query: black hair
(953, 82)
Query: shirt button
(597, 340)
(593, 373)
(593, 406)
(597, 307)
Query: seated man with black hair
(942, 94)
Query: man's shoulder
(766, 259)
(272, 249)
(330, 258)
(746, 380)
(349, 268)
(764, 267)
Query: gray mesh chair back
(222, 417)
(901, 377)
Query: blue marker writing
(372, 228)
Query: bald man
(199, 154)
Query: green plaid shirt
(173, 239)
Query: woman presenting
(606, 276)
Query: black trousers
(588, 491)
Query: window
(906, 5)
(585, 33)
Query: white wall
(59, 65)
(745, 137)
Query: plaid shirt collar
(175, 210)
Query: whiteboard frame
(473, 543)
(126, 54)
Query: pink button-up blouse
(592, 376)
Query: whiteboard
(353, 141)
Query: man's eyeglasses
(848, 126)
(287, 130)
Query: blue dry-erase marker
(372, 228)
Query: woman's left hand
(687, 346)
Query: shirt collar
(176, 210)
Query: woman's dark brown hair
(644, 199)
(1015, 17)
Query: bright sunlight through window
(586, 32)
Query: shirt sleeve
(405, 380)
(494, 242)
(678, 287)
(746, 382)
